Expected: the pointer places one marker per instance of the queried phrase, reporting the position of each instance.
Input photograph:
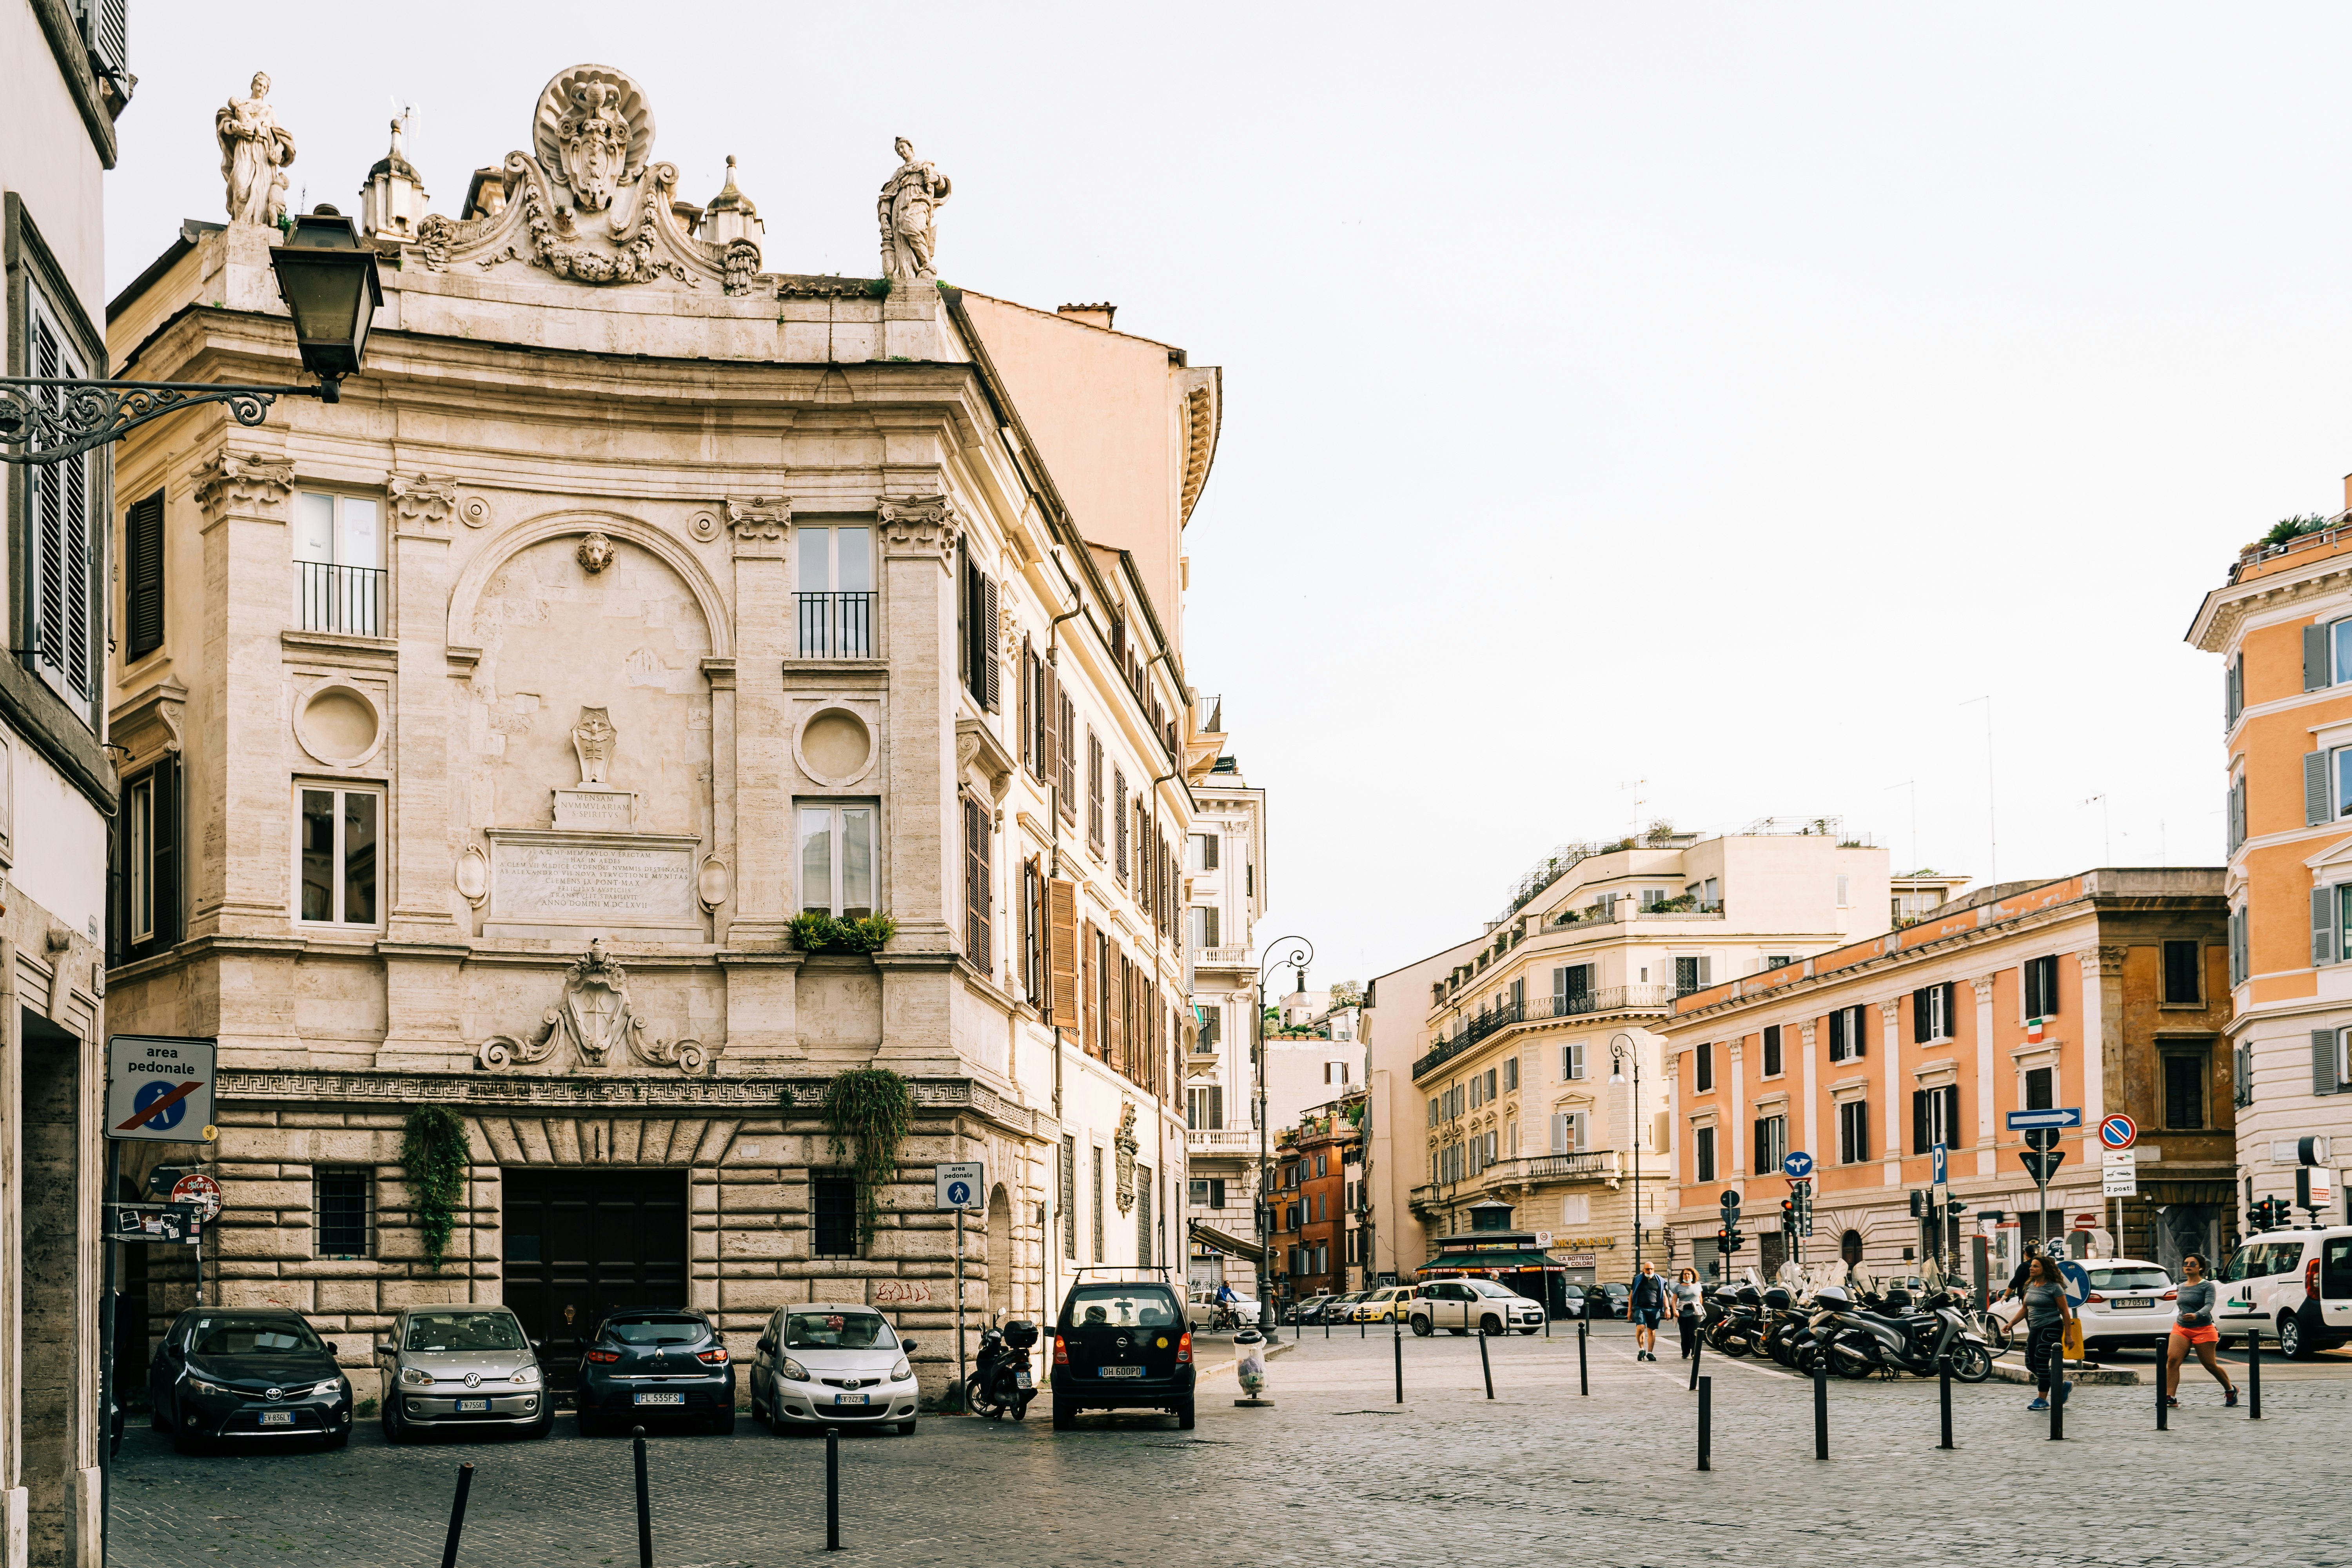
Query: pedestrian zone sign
(962, 1185)
(159, 1088)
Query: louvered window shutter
(1089, 1008)
(1559, 1134)
(1952, 1002)
(1919, 1121)
(144, 570)
(2315, 657)
(1837, 1035)
(1919, 1015)
(1065, 755)
(1951, 1093)
(990, 643)
(2242, 1071)
(2323, 1062)
(1209, 852)
(1856, 1033)
(2324, 946)
(1062, 951)
(1214, 937)
(2315, 798)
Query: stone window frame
(368, 1179)
(841, 1177)
(381, 790)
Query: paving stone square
(1337, 1472)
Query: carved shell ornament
(592, 132)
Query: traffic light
(1954, 1206)
(1787, 1214)
(2271, 1213)
(1920, 1204)
(1728, 1241)
(1727, 1237)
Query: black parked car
(1572, 1299)
(655, 1361)
(1607, 1300)
(1122, 1345)
(237, 1374)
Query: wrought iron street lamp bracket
(47, 420)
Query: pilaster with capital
(1987, 1137)
(239, 783)
(1736, 1110)
(2103, 1038)
(759, 532)
(1808, 1035)
(1890, 1130)
(918, 537)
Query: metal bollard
(1326, 1324)
(1486, 1367)
(645, 1505)
(2057, 1398)
(1695, 1343)
(1821, 1409)
(2254, 1374)
(2163, 1400)
(1705, 1418)
(1943, 1400)
(1396, 1338)
(458, 1514)
(1583, 1372)
(833, 1488)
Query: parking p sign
(962, 1185)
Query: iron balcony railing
(331, 598)
(1567, 1004)
(837, 625)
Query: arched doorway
(999, 1255)
(1850, 1249)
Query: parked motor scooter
(1002, 1384)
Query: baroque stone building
(635, 601)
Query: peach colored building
(2106, 991)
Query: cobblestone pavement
(1335, 1473)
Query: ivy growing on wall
(875, 1107)
(432, 1151)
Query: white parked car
(1200, 1307)
(1457, 1306)
(2293, 1284)
(822, 1364)
(2130, 1302)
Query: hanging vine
(433, 1153)
(875, 1107)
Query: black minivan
(1122, 1344)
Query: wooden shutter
(1114, 1003)
(1919, 1121)
(2324, 946)
(1857, 1033)
(1837, 1035)
(1119, 826)
(1049, 755)
(1025, 717)
(2315, 797)
(2324, 1080)
(1919, 1014)
(1209, 931)
(1062, 951)
(1090, 1009)
(964, 601)
(1209, 842)
(1065, 754)
(990, 643)
(1762, 1135)
(142, 563)
(1952, 1004)
(2315, 657)
(976, 883)
(1951, 1093)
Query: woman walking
(2047, 1313)
(2194, 1327)
(1689, 1295)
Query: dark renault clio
(235, 1375)
(1122, 1345)
(662, 1362)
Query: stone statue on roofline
(908, 209)
(255, 151)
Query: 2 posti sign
(159, 1088)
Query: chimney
(1092, 315)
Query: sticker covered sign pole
(959, 1186)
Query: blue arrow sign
(1797, 1167)
(2061, 1116)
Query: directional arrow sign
(2058, 1116)
(1797, 1166)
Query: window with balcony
(834, 596)
(837, 858)
(1206, 927)
(1204, 1109)
(1212, 1016)
(1568, 1132)
(1695, 973)
(339, 578)
(336, 853)
(1703, 1152)
(1853, 1131)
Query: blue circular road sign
(167, 1117)
(960, 1194)
(1797, 1167)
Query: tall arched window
(1850, 1247)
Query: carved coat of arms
(596, 1019)
(1125, 1145)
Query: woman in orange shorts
(2196, 1327)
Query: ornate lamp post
(1618, 1055)
(1298, 953)
(330, 283)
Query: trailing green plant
(814, 932)
(432, 1151)
(875, 1107)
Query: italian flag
(2033, 1031)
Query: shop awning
(1474, 1261)
(1208, 1236)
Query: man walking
(1648, 1307)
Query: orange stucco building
(2106, 991)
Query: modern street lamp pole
(328, 277)
(1617, 1056)
(1298, 955)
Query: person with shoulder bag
(2048, 1315)
(2198, 1295)
(1689, 1295)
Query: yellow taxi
(1384, 1305)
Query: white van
(2296, 1284)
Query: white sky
(1714, 395)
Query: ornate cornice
(244, 484)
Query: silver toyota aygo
(460, 1366)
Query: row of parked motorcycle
(1854, 1334)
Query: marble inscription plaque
(590, 883)
(597, 810)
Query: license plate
(1122, 1371)
(644, 1398)
(466, 1404)
(1026, 1381)
(853, 1399)
(2135, 1304)
(277, 1418)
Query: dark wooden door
(579, 1244)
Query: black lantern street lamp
(330, 282)
(1622, 1050)
(1296, 955)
